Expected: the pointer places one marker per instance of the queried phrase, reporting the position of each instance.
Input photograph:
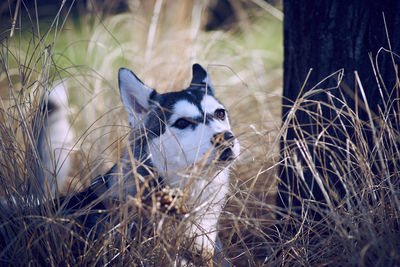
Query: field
(159, 41)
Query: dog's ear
(201, 78)
(135, 96)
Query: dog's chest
(203, 189)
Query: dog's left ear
(201, 78)
(135, 96)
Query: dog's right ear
(135, 96)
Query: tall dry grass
(159, 40)
(360, 228)
(354, 221)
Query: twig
(15, 18)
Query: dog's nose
(223, 142)
(219, 138)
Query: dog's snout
(224, 144)
(220, 138)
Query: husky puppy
(172, 135)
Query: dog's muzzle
(224, 143)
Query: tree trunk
(327, 36)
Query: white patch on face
(177, 149)
(209, 104)
(183, 108)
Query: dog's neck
(134, 173)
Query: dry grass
(360, 211)
(87, 52)
(361, 228)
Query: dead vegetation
(360, 229)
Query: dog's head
(181, 128)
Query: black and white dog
(172, 135)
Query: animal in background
(54, 141)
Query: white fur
(177, 149)
(56, 144)
(183, 108)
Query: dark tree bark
(327, 36)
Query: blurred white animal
(54, 142)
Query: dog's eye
(181, 123)
(220, 114)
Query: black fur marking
(183, 123)
(203, 120)
(193, 95)
(155, 122)
(199, 74)
(48, 108)
(201, 79)
(153, 96)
